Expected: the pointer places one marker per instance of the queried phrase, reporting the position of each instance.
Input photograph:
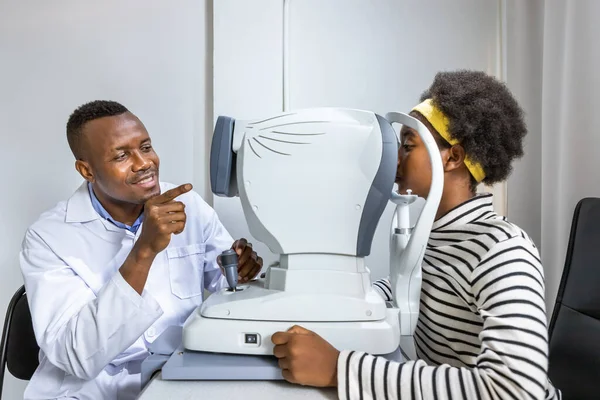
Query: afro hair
(484, 118)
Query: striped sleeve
(508, 289)
(384, 288)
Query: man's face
(122, 160)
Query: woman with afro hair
(482, 328)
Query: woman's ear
(85, 170)
(453, 158)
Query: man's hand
(305, 357)
(162, 217)
(249, 263)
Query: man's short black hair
(86, 113)
(483, 116)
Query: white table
(245, 390)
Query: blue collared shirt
(104, 214)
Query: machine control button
(251, 338)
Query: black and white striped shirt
(482, 328)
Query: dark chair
(574, 331)
(19, 349)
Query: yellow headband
(439, 121)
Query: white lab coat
(92, 327)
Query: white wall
(524, 58)
(552, 63)
(150, 55)
(378, 56)
(570, 120)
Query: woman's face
(414, 166)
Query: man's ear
(85, 170)
(453, 158)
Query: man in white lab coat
(117, 263)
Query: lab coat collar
(79, 206)
(80, 210)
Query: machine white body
(313, 185)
